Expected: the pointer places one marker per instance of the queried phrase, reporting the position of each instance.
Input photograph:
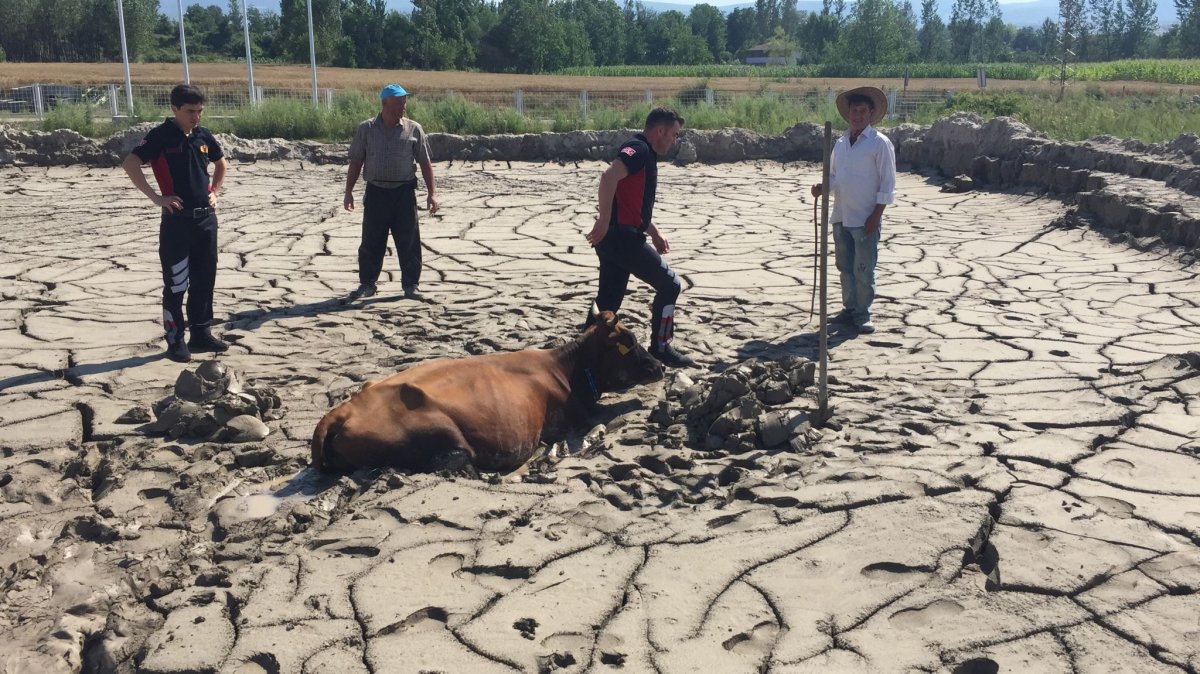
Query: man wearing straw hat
(387, 150)
(862, 177)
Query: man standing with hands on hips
(862, 177)
(387, 150)
(180, 150)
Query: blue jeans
(856, 254)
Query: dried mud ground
(1010, 481)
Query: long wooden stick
(823, 380)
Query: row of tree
(546, 35)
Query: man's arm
(430, 188)
(133, 169)
(885, 162)
(218, 179)
(615, 172)
(660, 241)
(351, 178)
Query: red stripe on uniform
(631, 191)
(162, 175)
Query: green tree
(968, 29)
(818, 36)
(535, 39)
(670, 41)
(933, 40)
(1187, 31)
(739, 30)
(364, 23)
(878, 31)
(293, 30)
(708, 22)
(1140, 23)
(1107, 16)
(603, 23)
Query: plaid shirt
(389, 156)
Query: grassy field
(1082, 114)
(1160, 71)
(664, 81)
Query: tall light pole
(249, 63)
(125, 56)
(187, 78)
(312, 53)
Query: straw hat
(877, 97)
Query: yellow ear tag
(623, 349)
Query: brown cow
(491, 411)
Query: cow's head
(620, 362)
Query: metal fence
(108, 100)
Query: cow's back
(492, 407)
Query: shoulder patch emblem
(204, 149)
(629, 151)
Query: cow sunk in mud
(491, 411)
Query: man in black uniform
(179, 151)
(627, 190)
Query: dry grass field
(298, 77)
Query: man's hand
(660, 242)
(872, 224)
(212, 199)
(431, 203)
(348, 201)
(598, 231)
(816, 191)
(171, 203)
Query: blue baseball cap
(392, 90)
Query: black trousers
(624, 251)
(187, 250)
(390, 210)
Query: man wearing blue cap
(387, 151)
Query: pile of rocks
(757, 405)
(211, 404)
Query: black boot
(203, 341)
(178, 352)
(672, 358)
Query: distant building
(760, 55)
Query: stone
(138, 414)
(244, 428)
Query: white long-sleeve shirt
(860, 176)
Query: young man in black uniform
(179, 151)
(627, 190)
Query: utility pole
(187, 78)
(125, 57)
(249, 62)
(312, 53)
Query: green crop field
(1162, 71)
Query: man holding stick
(862, 178)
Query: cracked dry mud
(1011, 482)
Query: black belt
(408, 185)
(193, 213)
(637, 228)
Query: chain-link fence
(33, 102)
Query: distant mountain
(1027, 13)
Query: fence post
(39, 110)
(891, 113)
(519, 101)
(258, 94)
(981, 75)
(583, 103)
(708, 95)
(829, 95)
(329, 98)
(650, 96)
(112, 102)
